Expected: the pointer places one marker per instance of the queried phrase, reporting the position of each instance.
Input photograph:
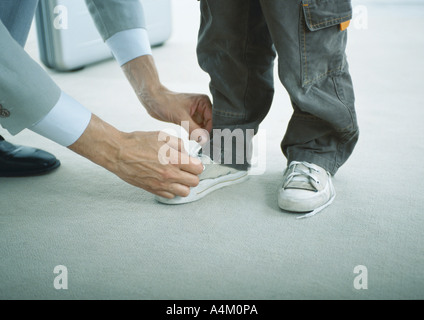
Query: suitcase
(68, 39)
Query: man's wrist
(100, 143)
(65, 122)
(143, 76)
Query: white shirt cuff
(129, 44)
(65, 123)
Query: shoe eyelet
(318, 182)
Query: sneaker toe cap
(297, 200)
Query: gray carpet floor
(118, 243)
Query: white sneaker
(214, 176)
(307, 188)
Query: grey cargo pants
(237, 45)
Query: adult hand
(166, 105)
(143, 159)
(169, 106)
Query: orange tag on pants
(344, 25)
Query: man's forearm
(99, 143)
(155, 97)
(166, 105)
(134, 157)
(143, 76)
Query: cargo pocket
(323, 38)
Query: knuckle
(197, 169)
(185, 192)
(196, 182)
(168, 174)
(158, 187)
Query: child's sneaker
(307, 188)
(214, 176)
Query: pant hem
(311, 157)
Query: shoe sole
(207, 186)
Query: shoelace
(305, 176)
(301, 173)
(195, 153)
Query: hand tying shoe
(214, 176)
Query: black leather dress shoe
(20, 161)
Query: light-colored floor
(118, 243)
